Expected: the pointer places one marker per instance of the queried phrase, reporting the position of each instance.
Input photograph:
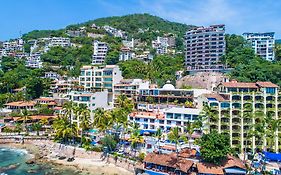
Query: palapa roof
(169, 160)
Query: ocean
(12, 162)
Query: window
(187, 117)
(270, 90)
(177, 116)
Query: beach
(85, 162)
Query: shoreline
(40, 152)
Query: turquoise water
(12, 162)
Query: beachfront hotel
(239, 106)
(262, 43)
(92, 100)
(100, 77)
(165, 119)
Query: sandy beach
(86, 162)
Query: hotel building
(262, 43)
(100, 77)
(239, 106)
(204, 47)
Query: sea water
(12, 162)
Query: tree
(214, 147)
(36, 127)
(64, 129)
(209, 115)
(102, 119)
(135, 139)
(25, 117)
(84, 119)
(158, 135)
(189, 128)
(175, 137)
(109, 142)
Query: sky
(21, 16)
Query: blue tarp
(276, 157)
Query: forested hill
(132, 24)
(143, 26)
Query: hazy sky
(21, 16)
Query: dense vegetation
(152, 25)
(14, 75)
(160, 70)
(247, 66)
(35, 34)
(214, 147)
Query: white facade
(126, 54)
(15, 45)
(91, 100)
(115, 32)
(52, 75)
(165, 119)
(99, 52)
(161, 45)
(262, 43)
(34, 61)
(100, 77)
(59, 41)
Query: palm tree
(135, 139)
(64, 129)
(102, 119)
(84, 119)
(189, 128)
(158, 135)
(209, 115)
(25, 117)
(175, 136)
(36, 127)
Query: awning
(234, 171)
(147, 131)
(276, 157)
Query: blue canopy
(147, 130)
(275, 157)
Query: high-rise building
(204, 47)
(239, 108)
(262, 43)
(99, 52)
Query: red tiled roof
(35, 117)
(239, 85)
(21, 103)
(266, 84)
(187, 153)
(169, 160)
(45, 99)
(209, 168)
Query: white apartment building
(99, 52)
(126, 54)
(129, 44)
(15, 45)
(52, 75)
(59, 41)
(165, 119)
(34, 61)
(91, 100)
(262, 43)
(115, 32)
(161, 45)
(100, 77)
